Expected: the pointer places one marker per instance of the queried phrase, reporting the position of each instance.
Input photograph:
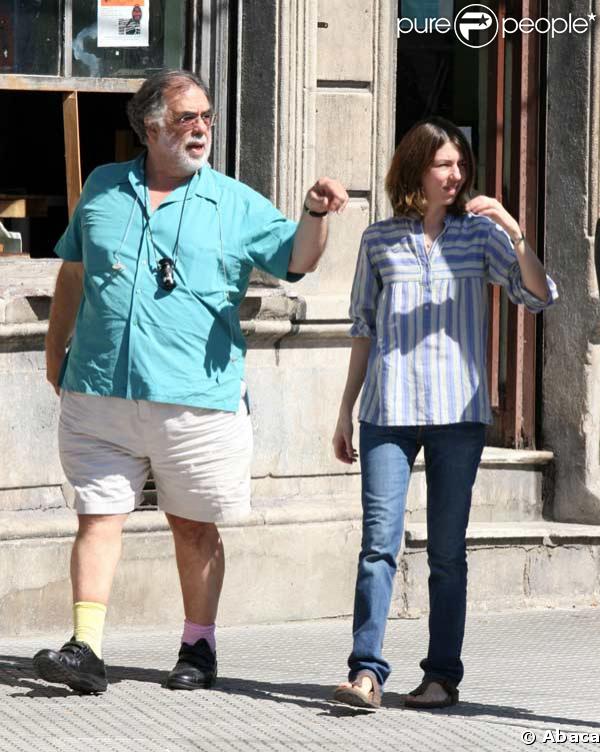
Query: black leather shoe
(75, 665)
(196, 667)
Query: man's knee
(192, 531)
(100, 525)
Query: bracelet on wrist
(315, 213)
(520, 239)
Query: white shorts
(200, 459)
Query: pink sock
(194, 632)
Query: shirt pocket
(212, 268)
(101, 240)
(233, 265)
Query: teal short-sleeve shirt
(132, 338)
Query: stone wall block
(496, 575)
(506, 576)
(344, 144)
(295, 394)
(37, 497)
(498, 495)
(336, 269)
(28, 440)
(345, 45)
(495, 579)
(295, 572)
(44, 566)
(566, 571)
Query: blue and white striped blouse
(427, 315)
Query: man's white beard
(182, 161)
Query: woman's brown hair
(414, 154)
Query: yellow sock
(88, 620)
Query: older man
(157, 259)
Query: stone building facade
(571, 388)
(316, 95)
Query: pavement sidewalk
(533, 674)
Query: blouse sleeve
(503, 269)
(365, 293)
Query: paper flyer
(122, 23)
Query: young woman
(419, 307)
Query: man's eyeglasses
(189, 119)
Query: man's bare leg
(94, 559)
(201, 565)
(95, 555)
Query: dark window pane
(106, 139)
(165, 48)
(32, 163)
(32, 150)
(29, 37)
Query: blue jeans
(452, 456)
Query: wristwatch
(314, 213)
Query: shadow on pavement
(318, 695)
(476, 709)
(17, 671)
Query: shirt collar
(206, 185)
(448, 219)
(203, 183)
(136, 177)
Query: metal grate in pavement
(527, 671)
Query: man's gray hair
(148, 104)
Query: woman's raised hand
(493, 209)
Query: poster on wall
(122, 23)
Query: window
(66, 71)
(29, 37)
(165, 44)
(92, 38)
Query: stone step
(518, 564)
(292, 560)
(510, 486)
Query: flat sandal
(411, 701)
(356, 696)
